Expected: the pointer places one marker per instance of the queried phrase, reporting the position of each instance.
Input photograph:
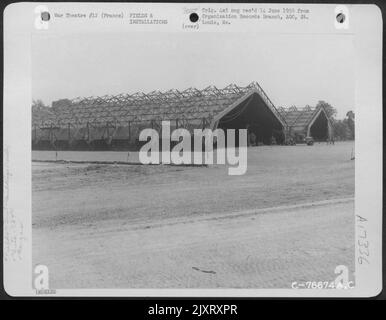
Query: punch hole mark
(340, 17)
(193, 17)
(45, 16)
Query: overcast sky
(292, 69)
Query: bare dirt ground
(106, 226)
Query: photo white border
(365, 25)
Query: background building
(308, 122)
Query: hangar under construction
(307, 122)
(114, 122)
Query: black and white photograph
(200, 157)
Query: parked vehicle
(309, 141)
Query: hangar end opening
(254, 115)
(319, 128)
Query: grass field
(118, 204)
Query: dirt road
(264, 248)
